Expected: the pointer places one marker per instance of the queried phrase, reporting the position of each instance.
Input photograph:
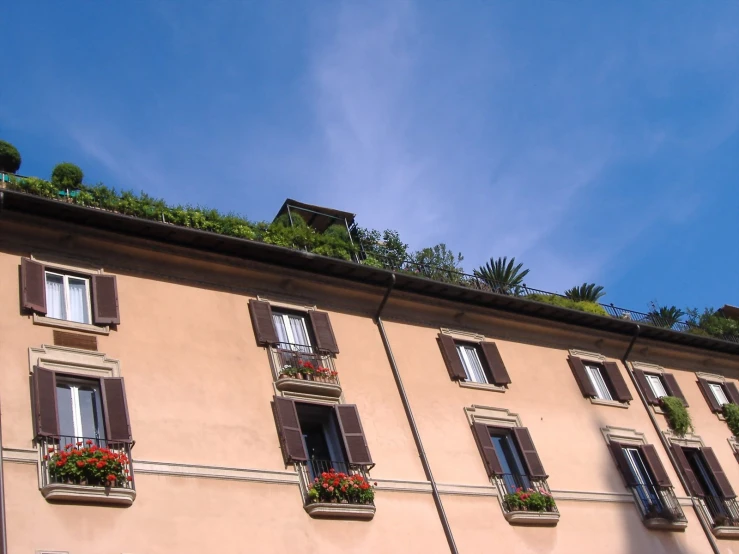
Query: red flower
(46, 457)
(59, 464)
(129, 478)
(111, 478)
(79, 443)
(330, 489)
(51, 449)
(88, 442)
(100, 465)
(68, 446)
(80, 463)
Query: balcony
(352, 496)
(526, 501)
(659, 507)
(723, 515)
(90, 470)
(302, 370)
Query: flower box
(67, 492)
(341, 495)
(525, 517)
(304, 386)
(338, 510)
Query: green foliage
(385, 248)
(87, 464)
(530, 500)
(67, 176)
(712, 323)
(677, 415)
(587, 292)
(556, 300)
(501, 275)
(437, 263)
(731, 413)
(665, 317)
(10, 158)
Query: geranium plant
(341, 487)
(307, 369)
(531, 500)
(86, 463)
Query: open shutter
(683, 464)
(581, 376)
(710, 398)
(354, 439)
(288, 428)
(324, 333)
(673, 389)
(33, 286)
(617, 449)
(117, 424)
(531, 458)
(487, 450)
(641, 379)
(732, 392)
(620, 388)
(105, 300)
(44, 400)
(261, 320)
(718, 473)
(451, 357)
(655, 465)
(495, 363)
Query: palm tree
(665, 317)
(587, 292)
(501, 275)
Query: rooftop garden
(385, 250)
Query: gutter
(666, 445)
(412, 421)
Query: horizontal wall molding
(216, 472)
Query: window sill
(64, 324)
(481, 386)
(549, 519)
(321, 510)
(62, 492)
(665, 524)
(726, 532)
(612, 403)
(302, 386)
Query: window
(514, 475)
(643, 484)
(292, 331)
(656, 385)
(68, 297)
(300, 331)
(597, 379)
(718, 393)
(79, 408)
(475, 371)
(321, 438)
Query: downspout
(666, 444)
(3, 528)
(412, 421)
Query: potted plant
(341, 488)
(87, 464)
(325, 374)
(529, 500)
(290, 371)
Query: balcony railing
(721, 512)
(116, 456)
(658, 503)
(302, 361)
(314, 468)
(509, 483)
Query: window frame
(307, 329)
(589, 368)
(713, 386)
(651, 377)
(75, 383)
(65, 289)
(477, 349)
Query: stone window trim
(713, 378)
(294, 304)
(599, 359)
(493, 417)
(310, 397)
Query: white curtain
(55, 306)
(300, 335)
(280, 328)
(78, 301)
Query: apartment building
(164, 389)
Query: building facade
(211, 380)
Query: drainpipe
(666, 444)
(3, 529)
(412, 421)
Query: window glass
(514, 475)
(645, 490)
(80, 409)
(473, 368)
(67, 297)
(655, 383)
(321, 438)
(65, 410)
(292, 331)
(79, 309)
(599, 383)
(701, 471)
(55, 301)
(719, 394)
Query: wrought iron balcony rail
(296, 358)
(84, 449)
(721, 512)
(657, 503)
(315, 468)
(509, 483)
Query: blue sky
(593, 141)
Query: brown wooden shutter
(117, 423)
(44, 400)
(261, 320)
(641, 379)
(451, 357)
(487, 450)
(710, 398)
(617, 449)
(673, 389)
(581, 376)
(33, 286)
(288, 429)
(105, 300)
(324, 333)
(620, 388)
(530, 455)
(495, 363)
(694, 486)
(354, 439)
(732, 392)
(655, 465)
(718, 473)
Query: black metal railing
(304, 362)
(315, 468)
(56, 452)
(721, 512)
(510, 483)
(656, 502)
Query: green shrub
(556, 300)
(67, 176)
(713, 323)
(10, 158)
(731, 413)
(677, 415)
